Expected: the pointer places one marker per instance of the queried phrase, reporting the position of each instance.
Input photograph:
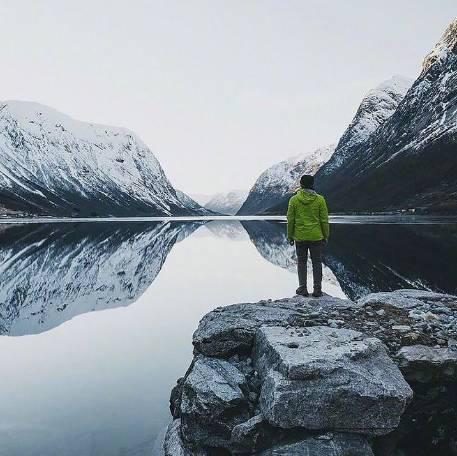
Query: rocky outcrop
(214, 400)
(319, 377)
(325, 378)
(229, 330)
(323, 445)
(428, 364)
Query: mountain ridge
(282, 178)
(409, 162)
(52, 164)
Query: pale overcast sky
(219, 89)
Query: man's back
(307, 217)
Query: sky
(218, 89)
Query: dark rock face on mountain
(285, 377)
(51, 164)
(281, 179)
(53, 272)
(376, 107)
(410, 160)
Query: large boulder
(214, 400)
(334, 379)
(173, 444)
(255, 434)
(231, 329)
(324, 445)
(428, 364)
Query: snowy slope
(410, 160)
(282, 178)
(376, 107)
(227, 203)
(51, 273)
(191, 204)
(53, 164)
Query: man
(308, 228)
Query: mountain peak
(397, 82)
(447, 43)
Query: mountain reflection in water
(81, 382)
(53, 272)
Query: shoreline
(305, 375)
(334, 219)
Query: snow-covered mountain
(410, 160)
(281, 179)
(376, 107)
(53, 164)
(191, 204)
(51, 273)
(227, 203)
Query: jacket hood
(306, 196)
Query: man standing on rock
(308, 229)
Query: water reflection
(51, 273)
(371, 258)
(270, 239)
(99, 383)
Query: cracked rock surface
(321, 376)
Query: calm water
(79, 382)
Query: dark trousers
(315, 249)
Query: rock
(426, 364)
(175, 398)
(232, 329)
(406, 299)
(330, 379)
(254, 434)
(213, 402)
(173, 444)
(326, 445)
(401, 328)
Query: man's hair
(307, 181)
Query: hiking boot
(317, 293)
(302, 291)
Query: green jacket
(307, 217)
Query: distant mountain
(201, 198)
(410, 160)
(376, 107)
(53, 272)
(51, 164)
(281, 179)
(191, 204)
(227, 203)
